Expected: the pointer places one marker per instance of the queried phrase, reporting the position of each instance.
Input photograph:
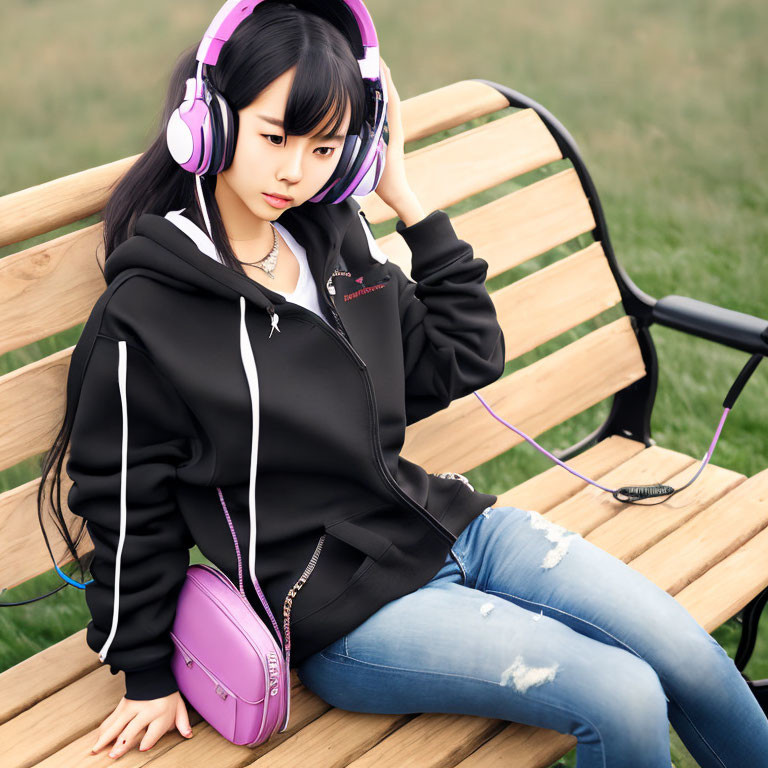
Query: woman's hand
(131, 717)
(393, 186)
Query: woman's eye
(270, 136)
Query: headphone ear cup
(342, 189)
(365, 144)
(232, 124)
(348, 156)
(217, 131)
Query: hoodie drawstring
(122, 365)
(249, 363)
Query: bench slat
(581, 286)
(422, 741)
(723, 590)
(458, 167)
(630, 531)
(24, 552)
(590, 508)
(39, 676)
(530, 221)
(521, 746)
(56, 203)
(553, 486)
(449, 106)
(32, 403)
(516, 227)
(703, 541)
(50, 287)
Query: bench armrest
(726, 326)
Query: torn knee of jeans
(522, 677)
(486, 608)
(557, 534)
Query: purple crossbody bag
(227, 663)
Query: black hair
(274, 38)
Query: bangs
(319, 96)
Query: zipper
(190, 659)
(372, 409)
(343, 337)
(292, 592)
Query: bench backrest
(491, 160)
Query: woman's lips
(276, 202)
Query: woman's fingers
(393, 106)
(182, 719)
(126, 724)
(109, 730)
(154, 731)
(128, 737)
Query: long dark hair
(275, 37)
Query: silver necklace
(269, 262)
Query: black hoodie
(190, 377)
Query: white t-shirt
(305, 292)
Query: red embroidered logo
(365, 289)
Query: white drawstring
(249, 363)
(204, 210)
(122, 365)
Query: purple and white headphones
(201, 131)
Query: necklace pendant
(269, 262)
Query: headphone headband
(233, 12)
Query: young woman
(274, 367)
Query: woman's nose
(290, 168)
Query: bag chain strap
(292, 592)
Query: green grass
(665, 101)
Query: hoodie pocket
(349, 551)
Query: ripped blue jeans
(539, 626)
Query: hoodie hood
(319, 227)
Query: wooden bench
(708, 549)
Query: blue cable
(70, 580)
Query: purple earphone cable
(631, 494)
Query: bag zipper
(190, 658)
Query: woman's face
(265, 161)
